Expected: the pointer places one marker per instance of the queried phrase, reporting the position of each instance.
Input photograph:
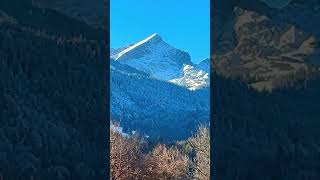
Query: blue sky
(185, 24)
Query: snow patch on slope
(192, 78)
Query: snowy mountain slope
(155, 107)
(125, 69)
(164, 62)
(115, 51)
(192, 78)
(155, 57)
(157, 90)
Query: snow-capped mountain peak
(142, 74)
(154, 57)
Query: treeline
(135, 157)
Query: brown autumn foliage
(168, 163)
(129, 162)
(200, 144)
(126, 159)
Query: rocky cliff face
(265, 51)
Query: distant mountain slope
(153, 107)
(164, 62)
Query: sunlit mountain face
(162, 61)
(157, 90)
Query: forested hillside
(274, 134)
(53, 95)
(154, 107)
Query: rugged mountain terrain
(155, 57)
(265, 52)
(157, 90)
(164, 62)
(192, 78)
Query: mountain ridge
(155, 57)
(162, 61)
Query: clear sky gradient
(184, 24)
